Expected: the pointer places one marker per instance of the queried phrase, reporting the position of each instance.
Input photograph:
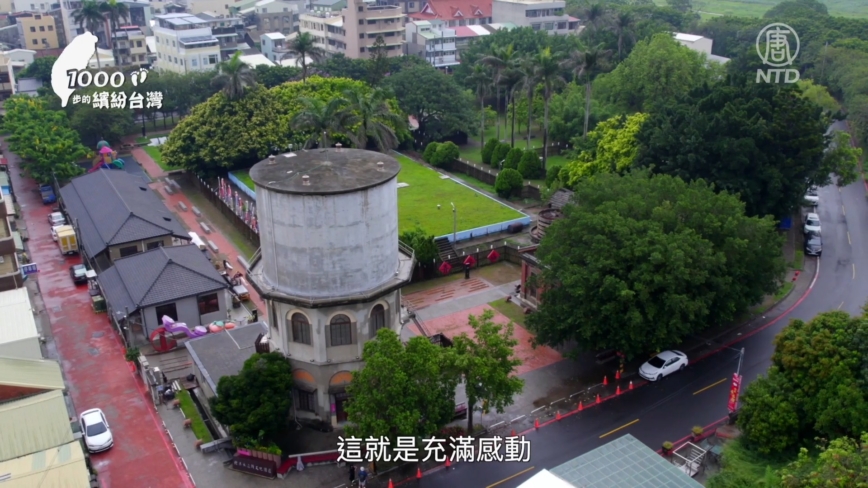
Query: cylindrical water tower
(330, 266)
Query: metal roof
(161, 275)
(16, 316)
(34, 424)
(223, 354)
(58, 467)
(43, 374)
(625, 463)
(112, 207)
(197, 40)
(687, 37)
(545, 479)
(275, 36)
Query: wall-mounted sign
(261, 467)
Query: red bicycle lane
(92, 358)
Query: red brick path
(92, 357)
(447, 292)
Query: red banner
(734, 390)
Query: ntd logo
(773, 44)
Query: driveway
(92, 358)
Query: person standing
(363, 477)
(352, 475)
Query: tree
(547, 71)
(40, 69)
(615, 147)
(508, 181)
(768, 416)
(513, 157)
(304, 47)
(422, 244)
(271, 76)
(797, 8)
(375, 120)
(624, 25)
(529, 82)
(324, 121)
(841, 157)
(646, 261)
(499, 154)
(340, 66)
(93, 124)
(445, 154)
(819, 94)
(402, 390)
(441, 112)
(379, 62)
(487, 364)
(481, 80)
(115, 11)
(761, 141)
(90, 17)
(596, 17)
(843, 462)
(680, 5)
(255, 403)
(234, 77)
(529, 166)
(488, 150)
(586, 65)
(500, 61)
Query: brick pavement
(92, 357)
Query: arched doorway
(338, 388)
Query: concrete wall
(115, 251)
(188, 313)
(38, 32)
(22, 349)
(326, 245)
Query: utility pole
(454, 223)
(740, 359)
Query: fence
(210, 190)
(241, 186)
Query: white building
(254, 60)
(699, 44)
(440, 45)
(273, 46)
(19, 337)
(327, 29)
(186, 42)
(547, 15)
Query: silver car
(663, 364)
(95, 428)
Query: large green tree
(40, 69)
(234, 76)
(645, 261)
(403, 390)
(758, 140)
(255, 403)
(840, 463)
(487, 364)
(614, 148)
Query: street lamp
(454, 222)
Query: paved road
(698, 395)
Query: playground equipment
(163, 339)
(220, 326)
(106, 158)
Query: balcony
(443, 61)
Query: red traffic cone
(580, 406)
(598, 398)
(513, 434)
(631, 385)
(418, 473)
(448, 464)
(618, 390)
(605, 380)
(558, 415)
(618, 374)
(536, 424)
(391, 485)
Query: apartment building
(10, 274)
(327, 5)
(547, 15)
(327, 30)
(132, 46)
(440, 45)
(273, 46)
(37, 31)
(140, 15)
(455, 13)
(365, 21)
(186, 42)
(264, 16)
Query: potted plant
(697, 432)
(667, 448)
(132, 356)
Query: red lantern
(445, 268)
(493, 256)
(470, 261)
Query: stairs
(445, 249)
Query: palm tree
(548, 72)
(375, 119)
(481, 78)
(623, 24)
(512, 83)
(587, 64)
(90, 18)
(595, 16)
(304, 47)
(233, 77)
(320, 118)
(115, 11)
(529, 82)
(500, 60)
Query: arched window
(378, 319)
(340, 331)
(300, 329)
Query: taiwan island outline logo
(70, 72)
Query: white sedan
(663, 364)
(95, 428)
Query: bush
(529, 166)
(513, 157)
(488, 150)
(430, 149)
(445, 154)
(507, 182)
(499, 154)
(553, 175)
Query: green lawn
(154, 153)
(200, 430)
(417, 203)
(509, 310)
(244, 176)
(143, 140)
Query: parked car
(812, 224)
(812, 199)
(97, 434)
(813, 245)
(663, 364)
(78, 272)
(54, 232)
(56, 218)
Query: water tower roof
(328, 171)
